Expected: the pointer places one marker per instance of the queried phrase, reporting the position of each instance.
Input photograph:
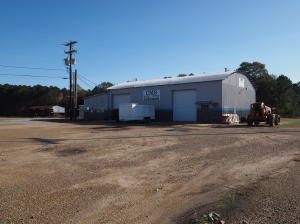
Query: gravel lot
(89, 172)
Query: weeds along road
(61, 172)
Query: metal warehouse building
(197, 98)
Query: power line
(36, 76)
(33, 68)
(86, 83)
(88, 80)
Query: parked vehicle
(259, 112)
(136, 112)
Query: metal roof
(173, 81)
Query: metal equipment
(259, 112)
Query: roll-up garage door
(184, 105)
(120, 98)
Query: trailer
(136, 112)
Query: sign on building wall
(151, 94)
(241, 82)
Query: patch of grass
(290, 122)
(234, 198)
(4, 119)
(199, 220)
(227, 201)
(223, 206)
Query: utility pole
(68, 62)
(75, 94)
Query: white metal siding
(96, 103)
(120, 98)
(184, 105)
(136, 112)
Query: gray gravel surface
(274, 199)
(92, 172)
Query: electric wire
(86, 83)
(82, 78)
(87, 79)
(36, 76)
(32, 68)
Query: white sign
(151, 94)
(241, 82)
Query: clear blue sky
(119, 40)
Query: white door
(184, 105)
(120, 98)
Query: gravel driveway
(92, 172)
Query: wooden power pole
(69, 61)
(75, 94)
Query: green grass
(3, 119)
(290, 122)
(201, 220)
(7, 118)
(227, 201)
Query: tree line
(274, 91)
(17, 99)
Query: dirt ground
(90, 172)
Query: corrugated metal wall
(237, 95)
(213, 98)
(205, 92)
(96, 107)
